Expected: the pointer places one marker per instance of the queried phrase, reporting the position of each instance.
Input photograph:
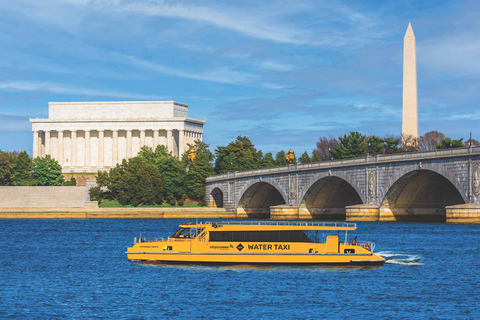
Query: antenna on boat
(196, 225)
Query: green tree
(375, 145)
(109, 182)
(140, 183)
(198, 171)
(315, 157)
(170, 167)
(173, 175)
(280, 158)
(268, 161)
(199, 147)
(148, 155)
(238, 155)
(6, 170)
(448, 143)
(351, 146)
(22, 170)
(392, 145)
(305, 158)
(47, 171)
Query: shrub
(96, 194)
(171, 202)
(181, 202)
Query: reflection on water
(79, 269)
(258, 267)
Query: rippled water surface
(78, 268)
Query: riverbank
(116, 213)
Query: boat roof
(271, 225)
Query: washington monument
(410, 101)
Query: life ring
(367, 247)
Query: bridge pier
(412, 214)
(362, 212)
(463, 213)
(284, 212)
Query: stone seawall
(43, 197)
(115, 213)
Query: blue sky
(280, 72)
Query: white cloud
(65, 89)
(218, 74)
(276, 66)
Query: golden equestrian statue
(290, 157)
(191, 154)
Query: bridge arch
(216, 198)
(327, 196)
(257, 196)
(420, 195)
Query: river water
(78, 268)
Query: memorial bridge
(442, 185)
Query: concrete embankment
(115, 213)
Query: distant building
(85, 137)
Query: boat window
(250, 236)
(186, 233)
(259, 236)
(178, 233)
(238, 235)
(293, 236)
(221, 236)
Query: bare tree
(409, 143)
(430, 140)
(472, 142)
(324, 145)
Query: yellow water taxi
(255, 242)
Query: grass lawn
(115, 204)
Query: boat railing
(287, 223)
(370, 246)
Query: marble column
(142, 138)
(181, 142)
(73, 157)
(101, 152)
(87, 149)
(114, 147)
(35, 144)
(169, 141)
(47, 142)
(40, 145)
(129, 144)
(155, 139)
(60, 147)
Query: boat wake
(401, 258)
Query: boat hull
(209, 258)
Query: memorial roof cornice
(120, 102)
(44, 120)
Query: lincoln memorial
(85, 137)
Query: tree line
(157, 177)
(18, 169)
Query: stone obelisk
(410, 101)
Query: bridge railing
(342, 162)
